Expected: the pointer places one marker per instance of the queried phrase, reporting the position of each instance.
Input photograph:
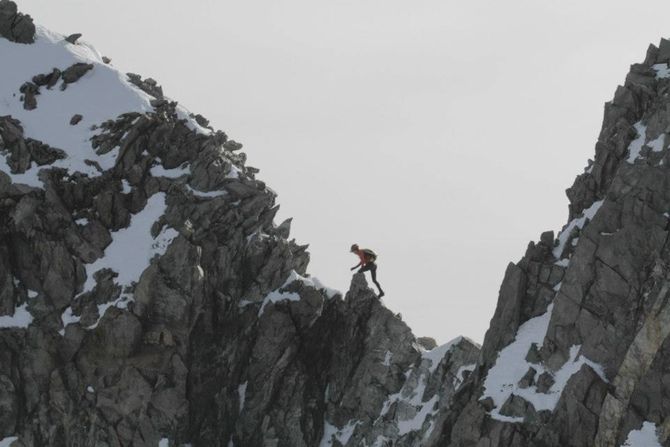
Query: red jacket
(363, 256)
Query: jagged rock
(544, 382)
(533, 355)
(516, 406)
(232, 145)
(204, 122)
(528, 379)
(74, 72)
(222, 336)
(663, 54)
(9, 407)
(148, 86)
(15, 26)
(72, 38)
(47, 79)
(75, 119)
(106, 60)
(428, 343)
(29, 90)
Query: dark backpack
(370, 254)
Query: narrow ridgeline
(148, 298)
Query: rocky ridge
(147, 296)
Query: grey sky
(441, 134)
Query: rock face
(147, 297)
(15, 26)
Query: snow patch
(313, 281)
(332, 433)
(135, 239)
(460, 374)
(206, 194)
(562, 262)
(577, 222)
(159, 171)
(657, 144)
(646, 436)
(417, 421)
(6, 442)
(635, 146)
(437, 354)
(20, 319)
(662, 70)
(125, 187)
(276, 296)
(242, 394)
(387, 358)
(165, 442)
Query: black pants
(372, 268)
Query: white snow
(135, 240)
(511, 365)
(636, 145)
(562, 262)
(276, 295)
(657, 144)
(662, 70)
(459, 379)
(406, 426)
(68, 317)
(412, 398)
(436, 355)
(342, 435)
(242, 394)
(159, 171)
(315, 282)
(207, 194)
(20, 319)
(6, 442)
(90, 389)
(32, 293)
(81, 221)
(126, 186)
(102, 93)
(50, 121)
(646, 436)
(165, 442)
(387, 358)
(577, 222)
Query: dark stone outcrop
(14, 25)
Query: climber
(368, 258)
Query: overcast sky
(441, 134)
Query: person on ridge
(368, 258)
